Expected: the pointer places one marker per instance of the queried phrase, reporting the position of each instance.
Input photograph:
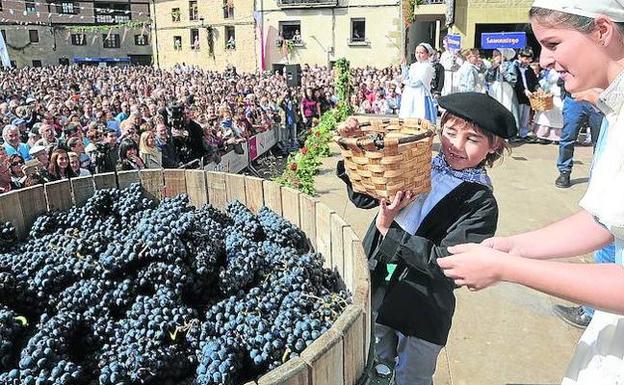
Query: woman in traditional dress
(416, 100)
(583, 41)
(548, 124)
(501, 78)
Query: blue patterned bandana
(474, 175)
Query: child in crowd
(414, 304)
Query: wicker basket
(541, 101)
(399, 159)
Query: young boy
(414, 307)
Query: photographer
(104, 155)
(187, 135)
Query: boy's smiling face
(463, 144)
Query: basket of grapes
(385, 155)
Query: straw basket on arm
(541, 101)
(386, 155)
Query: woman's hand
(474, 266)
(387, 213)
(136, 160)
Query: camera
(99, 155)
(175, 116)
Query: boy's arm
(421, 253)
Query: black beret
(482, 110)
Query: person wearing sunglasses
(16, 163)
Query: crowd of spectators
(66, 121)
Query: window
(111, 41)
(290, 30)
(0, 5)
(108, 13)
(4, 35)
(140, 40)
(63, 61)
(36, 63)
(33, 34)
(177, 43)
(175, 15)
(358, 30)
(228, 9)
(78, 39)
(194, 38)
(230, 37)
(30, 7)
(193, 15)
(67, 7)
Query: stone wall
(243, 57)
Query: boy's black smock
(419, 299)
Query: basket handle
(366, 143)
(357, 144)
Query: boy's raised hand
(387, 212)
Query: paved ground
(506, 334)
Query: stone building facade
(211, 34)
(471, 19)
(38, 33)
(367, 32)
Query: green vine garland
(106, 28)
(408, 10)
(18, 48)
(303, 165)
(344, 86)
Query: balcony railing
(427, 2)
(306, 3)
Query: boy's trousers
(415, 358)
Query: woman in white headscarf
(416, 100)
(501, 78)
(584, 42)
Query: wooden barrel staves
(338, 356)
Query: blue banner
(503, 40)
(453, 42)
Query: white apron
(599, 355)
(416, 97)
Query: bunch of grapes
(124, 290)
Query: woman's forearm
(598, 285)
(575, 235)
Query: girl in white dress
(416, 100)
(548, 124)
(501, 78)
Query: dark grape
(127, 291)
